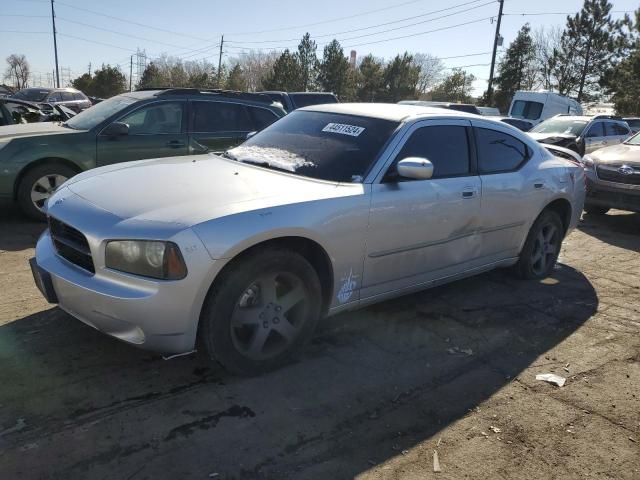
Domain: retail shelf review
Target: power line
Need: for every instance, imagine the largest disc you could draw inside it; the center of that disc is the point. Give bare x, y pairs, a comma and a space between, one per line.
131, 22
557, 13
94, 41
386, 23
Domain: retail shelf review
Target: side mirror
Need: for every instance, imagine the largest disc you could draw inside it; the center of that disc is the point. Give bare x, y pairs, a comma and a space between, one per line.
116, 129
250, 134
416, 168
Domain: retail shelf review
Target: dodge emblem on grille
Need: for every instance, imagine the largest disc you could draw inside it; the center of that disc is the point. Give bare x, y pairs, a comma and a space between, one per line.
626, 170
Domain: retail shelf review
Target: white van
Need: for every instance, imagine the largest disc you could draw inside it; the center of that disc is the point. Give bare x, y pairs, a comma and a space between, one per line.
538, 106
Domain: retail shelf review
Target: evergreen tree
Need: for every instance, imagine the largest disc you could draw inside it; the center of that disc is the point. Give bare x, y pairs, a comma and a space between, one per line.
308, 62
623, 80
151, 77
456, 87
107, 82
236, 80
401, 77
590, 43
83, 83
286, 74
370, 79
333, 72
517, 68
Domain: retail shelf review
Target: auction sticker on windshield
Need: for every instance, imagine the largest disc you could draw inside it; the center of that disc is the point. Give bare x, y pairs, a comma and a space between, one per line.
343, 129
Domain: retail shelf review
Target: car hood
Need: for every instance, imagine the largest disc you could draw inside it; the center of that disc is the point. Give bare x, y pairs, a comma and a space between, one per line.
194, 189
623, 153
33, 129
544, 136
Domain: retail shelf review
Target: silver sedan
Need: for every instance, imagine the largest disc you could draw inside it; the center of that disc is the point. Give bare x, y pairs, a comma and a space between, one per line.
331, 208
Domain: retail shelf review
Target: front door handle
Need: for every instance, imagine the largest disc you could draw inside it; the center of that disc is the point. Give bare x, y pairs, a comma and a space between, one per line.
538, 185
468, 194
175, 144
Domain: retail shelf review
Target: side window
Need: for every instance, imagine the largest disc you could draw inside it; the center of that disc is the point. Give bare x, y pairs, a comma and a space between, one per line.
619, 130
446, 146
165, 117
78, 96
67, 96
209, 117
262, 117
499, 152
595, 130
54, 97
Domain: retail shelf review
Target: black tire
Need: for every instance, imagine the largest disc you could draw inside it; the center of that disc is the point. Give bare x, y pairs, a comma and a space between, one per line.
240, 294
53, 172
595, 209
530, 265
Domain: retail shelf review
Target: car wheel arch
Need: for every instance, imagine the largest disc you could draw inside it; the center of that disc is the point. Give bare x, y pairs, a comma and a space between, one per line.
563, 208
310, 249
37, 163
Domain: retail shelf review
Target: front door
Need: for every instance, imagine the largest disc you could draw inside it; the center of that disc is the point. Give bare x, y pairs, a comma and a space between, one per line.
594, 138
218, 126
155, 130
420, 230
615, 133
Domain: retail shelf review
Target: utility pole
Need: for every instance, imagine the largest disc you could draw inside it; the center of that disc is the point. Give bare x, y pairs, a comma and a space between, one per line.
89, 68
220, 62
131, 75
55, 44
493, 58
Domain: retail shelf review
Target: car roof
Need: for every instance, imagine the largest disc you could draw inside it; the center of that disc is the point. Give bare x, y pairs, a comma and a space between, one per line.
255, 99
385, 111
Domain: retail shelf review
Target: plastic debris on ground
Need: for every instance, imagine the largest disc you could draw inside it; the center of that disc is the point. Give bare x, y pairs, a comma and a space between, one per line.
552, 378
436, 462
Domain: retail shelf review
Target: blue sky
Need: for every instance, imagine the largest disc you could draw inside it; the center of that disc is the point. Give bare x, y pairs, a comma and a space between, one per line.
96, 32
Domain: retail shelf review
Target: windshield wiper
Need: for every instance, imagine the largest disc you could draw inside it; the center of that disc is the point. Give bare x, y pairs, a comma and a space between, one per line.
226, 154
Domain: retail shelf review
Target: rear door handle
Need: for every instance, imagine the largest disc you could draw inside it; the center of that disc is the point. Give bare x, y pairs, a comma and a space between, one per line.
175, 144
538, 185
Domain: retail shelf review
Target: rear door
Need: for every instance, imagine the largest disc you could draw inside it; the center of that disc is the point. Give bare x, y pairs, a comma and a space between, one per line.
513, 191
615, 132
156, 130
218, 126
594, 137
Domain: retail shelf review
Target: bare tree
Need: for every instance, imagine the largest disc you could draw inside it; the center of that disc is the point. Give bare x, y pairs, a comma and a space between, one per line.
18, 70
431, 71
255, 66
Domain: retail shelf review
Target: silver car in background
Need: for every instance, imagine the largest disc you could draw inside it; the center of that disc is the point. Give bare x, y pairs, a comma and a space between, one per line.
331, 208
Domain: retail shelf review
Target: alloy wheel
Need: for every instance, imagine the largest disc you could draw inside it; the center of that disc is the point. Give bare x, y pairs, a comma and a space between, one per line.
545, 248
269, 315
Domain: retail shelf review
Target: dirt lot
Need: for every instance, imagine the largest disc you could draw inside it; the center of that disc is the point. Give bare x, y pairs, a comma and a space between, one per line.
451, 369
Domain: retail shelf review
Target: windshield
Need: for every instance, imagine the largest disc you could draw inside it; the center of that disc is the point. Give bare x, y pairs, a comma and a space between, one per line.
635, 140
32, 94
326, 146
526, 109
95, 115
561, 126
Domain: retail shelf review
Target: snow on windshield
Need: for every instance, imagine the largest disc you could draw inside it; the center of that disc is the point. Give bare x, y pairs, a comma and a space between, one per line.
276, 157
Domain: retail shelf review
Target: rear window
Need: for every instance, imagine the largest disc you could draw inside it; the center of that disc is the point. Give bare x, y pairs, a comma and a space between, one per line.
262, 117
326, 146
499, 152
615, 129
304, 100
526, 109
211, 117
633, 122
78, 96
32, 95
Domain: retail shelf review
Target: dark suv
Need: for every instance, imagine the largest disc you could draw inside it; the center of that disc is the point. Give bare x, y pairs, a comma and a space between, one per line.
36, 158
69, 97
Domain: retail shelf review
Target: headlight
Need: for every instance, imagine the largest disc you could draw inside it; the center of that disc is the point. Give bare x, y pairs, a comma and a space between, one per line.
587, 161
147, 258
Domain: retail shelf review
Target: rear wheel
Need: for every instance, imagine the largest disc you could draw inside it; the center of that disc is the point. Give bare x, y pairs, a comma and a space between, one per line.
595, 209
261, 312
37, 186
542, 247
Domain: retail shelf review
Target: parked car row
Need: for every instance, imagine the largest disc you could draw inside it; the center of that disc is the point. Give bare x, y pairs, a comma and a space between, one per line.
68, 97
244, 252
13, 111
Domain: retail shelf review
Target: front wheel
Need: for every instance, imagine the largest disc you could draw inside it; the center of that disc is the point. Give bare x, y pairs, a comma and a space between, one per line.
542, 247
38, 185
261, 311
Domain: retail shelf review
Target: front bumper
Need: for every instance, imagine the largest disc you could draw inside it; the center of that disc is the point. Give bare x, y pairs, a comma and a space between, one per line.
156, 315
612, 195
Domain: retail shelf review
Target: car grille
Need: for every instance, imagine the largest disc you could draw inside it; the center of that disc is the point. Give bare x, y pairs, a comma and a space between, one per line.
610, 173
71, 244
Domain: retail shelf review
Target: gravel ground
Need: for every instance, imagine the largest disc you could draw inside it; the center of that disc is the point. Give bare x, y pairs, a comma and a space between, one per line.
378, 391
